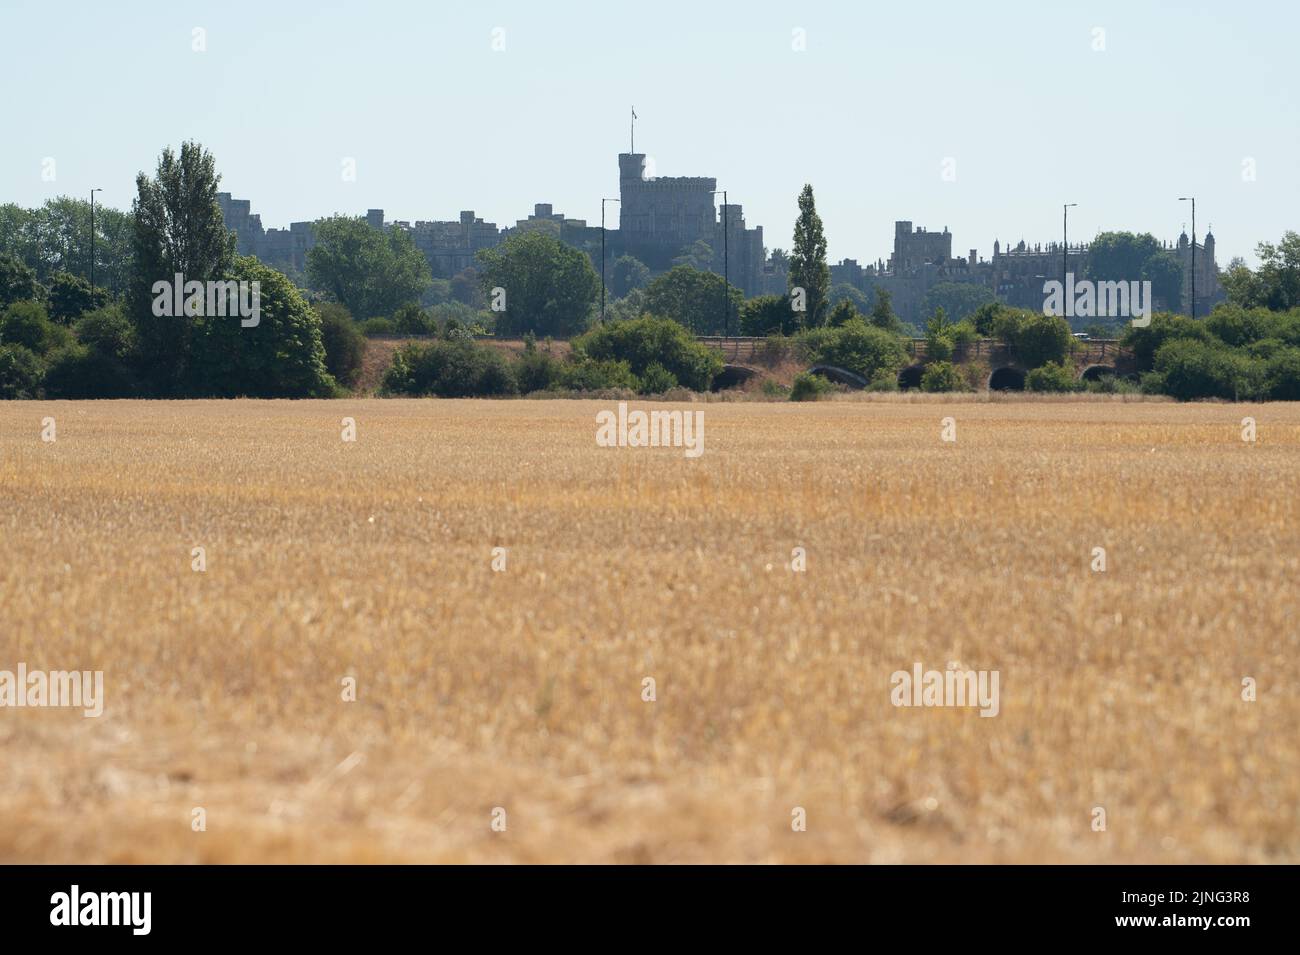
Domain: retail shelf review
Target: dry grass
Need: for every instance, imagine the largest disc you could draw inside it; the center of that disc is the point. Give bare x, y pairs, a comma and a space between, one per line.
522, 689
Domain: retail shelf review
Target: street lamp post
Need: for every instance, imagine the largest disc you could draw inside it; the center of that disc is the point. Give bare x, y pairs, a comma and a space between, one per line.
1192, 200
602, 255
92, 242
1065, 242
726, 268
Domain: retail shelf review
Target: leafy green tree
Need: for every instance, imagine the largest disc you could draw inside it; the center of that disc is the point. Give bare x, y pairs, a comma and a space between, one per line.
108, 331
549, 288
464, 287
766, 315
280, 357
841, 313
56, 238
178, 229
21, 373
1275, 285
629, 273
17, 282
71, 297
647, 341
959, 300
345, 346
1036, 338
882, 312
808, 268
29, 325
1120, 256
370, 271
698, 255
844, 292
1165, 273
701, 301
938, 337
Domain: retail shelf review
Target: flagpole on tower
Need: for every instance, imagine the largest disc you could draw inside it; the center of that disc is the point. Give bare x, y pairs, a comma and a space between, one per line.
633, 129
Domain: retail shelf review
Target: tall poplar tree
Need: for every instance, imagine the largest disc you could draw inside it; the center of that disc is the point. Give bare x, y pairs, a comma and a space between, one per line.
808, 268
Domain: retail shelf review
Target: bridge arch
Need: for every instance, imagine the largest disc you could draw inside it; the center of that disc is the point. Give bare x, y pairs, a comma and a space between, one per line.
910, 377
732, 376
1007, 378
840, 375
1097, 372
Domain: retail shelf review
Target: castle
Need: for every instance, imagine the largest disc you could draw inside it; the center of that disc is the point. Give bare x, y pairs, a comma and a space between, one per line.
664, 218
660, 219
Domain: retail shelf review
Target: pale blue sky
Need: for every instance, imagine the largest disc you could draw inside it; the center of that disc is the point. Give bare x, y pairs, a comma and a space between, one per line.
437, 121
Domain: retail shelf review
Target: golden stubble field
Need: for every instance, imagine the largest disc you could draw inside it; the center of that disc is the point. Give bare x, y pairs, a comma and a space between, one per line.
523, 689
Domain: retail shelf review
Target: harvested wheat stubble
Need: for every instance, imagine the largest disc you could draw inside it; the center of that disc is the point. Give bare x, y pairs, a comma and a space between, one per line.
523, 689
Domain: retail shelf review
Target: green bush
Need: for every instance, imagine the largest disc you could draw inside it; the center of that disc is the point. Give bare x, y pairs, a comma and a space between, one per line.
21, 372
378, 328
857, 346
656, 380
410, 319
1190, 369
76, 371
1035, 338
71, 297
537, 371
29, 325
1282, 375
587, 374
809, 387
345, 346
279, 357
766, 315
1051, 377
942, 376
449, 369
641, 342
108, 331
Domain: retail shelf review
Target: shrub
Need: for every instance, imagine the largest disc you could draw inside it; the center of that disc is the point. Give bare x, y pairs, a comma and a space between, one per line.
942, 376
76, 371
1051, 377
28, 324
1145, 342
1111, 385
1189, 369
809, 387
410, 319
857, 346
591, 375
644, 341
1035, 338
767, 315
377, 328
21, 372
657, 379
345, 346
449, 369
71, 297
107, 331
1282, 375
280, 357
537, 371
